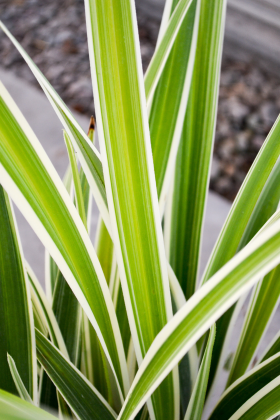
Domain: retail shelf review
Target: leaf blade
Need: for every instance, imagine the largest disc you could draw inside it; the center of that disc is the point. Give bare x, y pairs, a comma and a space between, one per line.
164, 47
128, 172
199, 313
185, 214
18, 381
195, 407
81, 396
261, 308
17, 325
13, 408
58, 225
88, 154
245, 388
170, 101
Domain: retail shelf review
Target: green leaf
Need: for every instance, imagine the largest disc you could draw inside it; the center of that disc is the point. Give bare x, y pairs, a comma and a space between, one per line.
96, 366
263, 215
123, 319
263, 405
13, 408
65, 305
252, 196
16, 319
200, 312
80, 395
36, 188
67, 311
170, 100
22, 391
246, 387
176, 289
97, 369
164, 47
129, 178
195, 407
246, 199
260, 311
185, 213
89, 156
188, 367
90, 159
48, 394
45, 311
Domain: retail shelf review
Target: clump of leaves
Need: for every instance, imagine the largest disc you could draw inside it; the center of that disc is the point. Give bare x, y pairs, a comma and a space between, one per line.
125, 329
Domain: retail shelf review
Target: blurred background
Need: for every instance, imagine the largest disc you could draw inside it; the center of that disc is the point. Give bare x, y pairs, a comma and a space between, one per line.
54, 34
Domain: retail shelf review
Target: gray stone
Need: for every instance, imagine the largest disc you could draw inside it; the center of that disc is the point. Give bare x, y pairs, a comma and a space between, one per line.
55, 72
242, 140
269, 113
254, 122
215, 168
226, 148
236, 109
62, 36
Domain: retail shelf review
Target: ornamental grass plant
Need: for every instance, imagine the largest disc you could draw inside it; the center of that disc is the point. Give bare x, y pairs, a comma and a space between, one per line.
126, 329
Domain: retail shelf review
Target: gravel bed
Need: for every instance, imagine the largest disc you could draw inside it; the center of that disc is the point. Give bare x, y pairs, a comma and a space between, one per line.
54, 34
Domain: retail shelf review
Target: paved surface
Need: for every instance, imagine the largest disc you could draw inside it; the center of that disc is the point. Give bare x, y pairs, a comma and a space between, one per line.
46, 125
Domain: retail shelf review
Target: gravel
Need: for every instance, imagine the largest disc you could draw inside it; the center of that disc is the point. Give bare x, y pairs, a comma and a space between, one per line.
54, 35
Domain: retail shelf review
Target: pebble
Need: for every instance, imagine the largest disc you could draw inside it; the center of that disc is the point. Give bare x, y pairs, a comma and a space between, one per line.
242, 140
54, 35
215, 168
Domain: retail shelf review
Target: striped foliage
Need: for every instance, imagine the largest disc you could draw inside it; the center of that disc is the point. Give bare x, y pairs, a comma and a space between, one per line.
125, 329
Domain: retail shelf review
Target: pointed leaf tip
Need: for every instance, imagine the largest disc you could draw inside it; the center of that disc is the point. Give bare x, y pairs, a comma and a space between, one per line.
91, 127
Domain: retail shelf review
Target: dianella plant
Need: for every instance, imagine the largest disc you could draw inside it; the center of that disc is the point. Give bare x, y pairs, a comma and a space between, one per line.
125, 329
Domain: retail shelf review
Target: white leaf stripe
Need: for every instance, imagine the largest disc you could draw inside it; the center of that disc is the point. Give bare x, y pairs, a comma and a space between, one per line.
18, 381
